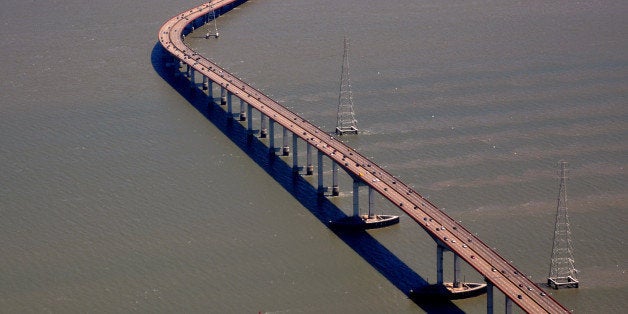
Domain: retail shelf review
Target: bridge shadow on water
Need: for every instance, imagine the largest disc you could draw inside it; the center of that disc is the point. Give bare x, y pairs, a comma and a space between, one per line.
377, 255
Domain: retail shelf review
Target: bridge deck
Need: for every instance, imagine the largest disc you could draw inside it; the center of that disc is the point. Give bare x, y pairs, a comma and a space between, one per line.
476, 253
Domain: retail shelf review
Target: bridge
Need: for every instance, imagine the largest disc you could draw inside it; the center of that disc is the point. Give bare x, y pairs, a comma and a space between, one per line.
446, 232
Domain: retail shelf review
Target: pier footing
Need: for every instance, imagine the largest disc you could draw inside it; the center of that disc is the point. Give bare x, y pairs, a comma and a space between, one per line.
447, 291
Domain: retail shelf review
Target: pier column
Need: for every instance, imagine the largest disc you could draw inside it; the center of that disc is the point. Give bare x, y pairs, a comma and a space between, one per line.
371, 201
271, 142
263, 132
335, 191
456, 283
295, 153
187, 70
242, 110
319, 156
223, 96
192, 80
177, 70
356, 197
229, 104
205, 82
249, 113
489, 297
286, 148
309, 168
439, 264
210, 90
508, 306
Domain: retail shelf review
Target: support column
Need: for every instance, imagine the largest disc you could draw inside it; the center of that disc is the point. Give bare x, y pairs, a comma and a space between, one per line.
223, 96
456, 282
508, 306
177, 70
263, 131
229, 104
489, 297
242, 110
249, 113
205, 82
439, 264
271, 142
319, 156
286, 148
187, 70
192, 80
356, 198
335, 191
309, 170
210, 91
295, 153
371, 201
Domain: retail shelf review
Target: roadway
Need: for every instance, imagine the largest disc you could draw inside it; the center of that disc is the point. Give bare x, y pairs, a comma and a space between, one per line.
514, 284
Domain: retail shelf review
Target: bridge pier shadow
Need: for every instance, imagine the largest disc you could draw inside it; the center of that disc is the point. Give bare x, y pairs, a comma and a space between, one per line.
376, 254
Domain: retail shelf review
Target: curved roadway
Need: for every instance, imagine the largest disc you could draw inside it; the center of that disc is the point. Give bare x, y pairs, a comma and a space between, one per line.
439, 225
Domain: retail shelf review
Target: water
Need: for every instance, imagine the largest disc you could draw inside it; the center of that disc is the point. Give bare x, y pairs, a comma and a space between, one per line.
117, 195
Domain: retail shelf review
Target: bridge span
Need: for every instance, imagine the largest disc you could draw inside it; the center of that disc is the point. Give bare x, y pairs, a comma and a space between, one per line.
448, 234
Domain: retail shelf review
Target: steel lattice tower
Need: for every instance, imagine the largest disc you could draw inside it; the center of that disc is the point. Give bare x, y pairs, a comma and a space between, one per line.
346, 117
562, 269
209, 34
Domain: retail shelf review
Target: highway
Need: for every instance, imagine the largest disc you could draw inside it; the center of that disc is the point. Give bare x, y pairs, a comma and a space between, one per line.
504, 276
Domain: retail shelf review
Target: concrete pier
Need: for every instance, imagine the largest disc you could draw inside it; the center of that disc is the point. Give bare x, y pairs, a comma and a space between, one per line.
309, 170
489, 297
271, 135
223, 96
295, 153
371, 201
285, 147
456, 282
263, 132
439, 265
242, 110
229, 104
249, 124
356, 198
335, 190
319, 157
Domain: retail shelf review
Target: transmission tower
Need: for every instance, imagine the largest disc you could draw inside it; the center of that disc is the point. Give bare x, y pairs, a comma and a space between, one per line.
562, 270
209, 34
346, 117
